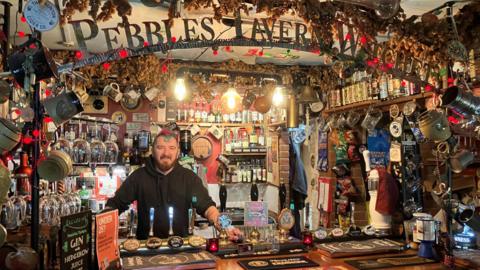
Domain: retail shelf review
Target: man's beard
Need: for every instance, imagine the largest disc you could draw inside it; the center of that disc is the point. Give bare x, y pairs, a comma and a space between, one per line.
166, 164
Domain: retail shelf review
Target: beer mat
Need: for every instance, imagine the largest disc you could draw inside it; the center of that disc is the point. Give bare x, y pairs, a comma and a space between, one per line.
261, 253
182, 260
467, 257
352, 248
277, 263
387, 262
162, 250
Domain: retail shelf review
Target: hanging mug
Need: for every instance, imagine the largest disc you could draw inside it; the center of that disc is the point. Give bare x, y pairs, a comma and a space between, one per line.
352, 118
434, 125
461, 160
112, 90
371, 119
63, 107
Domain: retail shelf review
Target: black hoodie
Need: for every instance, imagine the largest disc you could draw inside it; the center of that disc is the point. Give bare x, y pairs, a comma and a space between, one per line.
150, 188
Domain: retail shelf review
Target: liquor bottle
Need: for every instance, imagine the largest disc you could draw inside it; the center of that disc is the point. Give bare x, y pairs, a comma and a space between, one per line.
232, 118
238, 117
23, 173
255, 117
261, 138
245, 141
179, 112
260, 118
228, 141
84, 196
391, 88
383, 85
204, 112
211, 115
218, 116
198, 113
185, 112
191, 113
253, 138
264, 172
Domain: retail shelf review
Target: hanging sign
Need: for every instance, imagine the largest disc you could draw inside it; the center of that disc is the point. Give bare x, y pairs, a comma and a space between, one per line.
106, 244
75, 241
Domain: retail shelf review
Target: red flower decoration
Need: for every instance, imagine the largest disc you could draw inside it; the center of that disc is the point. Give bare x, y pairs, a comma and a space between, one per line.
21, 33
363, 40
78, 55
35, 133
106, 66
173, 39
164, 68
123, 53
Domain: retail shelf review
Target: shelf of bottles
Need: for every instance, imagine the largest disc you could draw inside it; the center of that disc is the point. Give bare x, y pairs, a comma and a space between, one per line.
202, 112
242, 170
363, 88
241, 141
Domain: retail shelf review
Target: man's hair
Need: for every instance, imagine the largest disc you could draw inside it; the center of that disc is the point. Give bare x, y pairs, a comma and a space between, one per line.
166, 134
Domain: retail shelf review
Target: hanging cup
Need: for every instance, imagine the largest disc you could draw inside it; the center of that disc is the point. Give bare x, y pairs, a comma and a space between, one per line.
63, 107
371, 119
461, 160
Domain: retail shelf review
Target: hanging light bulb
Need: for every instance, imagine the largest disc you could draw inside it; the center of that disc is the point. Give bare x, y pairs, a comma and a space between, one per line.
278, 97
180, 90
231, 99
384, 9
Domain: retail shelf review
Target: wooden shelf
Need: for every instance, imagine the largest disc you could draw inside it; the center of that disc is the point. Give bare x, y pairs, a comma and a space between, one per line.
182, 124
378, 103
277, 124
246, 154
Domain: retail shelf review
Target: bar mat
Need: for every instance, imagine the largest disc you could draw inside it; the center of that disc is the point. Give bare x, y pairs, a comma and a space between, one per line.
183, 260
262, 253
277, 263
357, 248
386, 262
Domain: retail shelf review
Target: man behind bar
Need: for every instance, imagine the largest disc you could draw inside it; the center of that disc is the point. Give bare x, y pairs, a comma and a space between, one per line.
163, 183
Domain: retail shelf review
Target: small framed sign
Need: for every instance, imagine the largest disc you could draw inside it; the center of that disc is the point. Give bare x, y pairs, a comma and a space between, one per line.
140, 117
75, 240
256, 214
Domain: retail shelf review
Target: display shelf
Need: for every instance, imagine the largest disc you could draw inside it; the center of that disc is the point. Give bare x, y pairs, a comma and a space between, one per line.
246, 154
378, 103
183, 124
277, 124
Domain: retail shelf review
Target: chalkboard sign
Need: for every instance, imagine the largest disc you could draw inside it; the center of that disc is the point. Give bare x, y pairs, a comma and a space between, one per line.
75, 240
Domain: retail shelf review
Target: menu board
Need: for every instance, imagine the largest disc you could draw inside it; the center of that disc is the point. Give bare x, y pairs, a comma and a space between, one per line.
75, 240
256, 214
106, 244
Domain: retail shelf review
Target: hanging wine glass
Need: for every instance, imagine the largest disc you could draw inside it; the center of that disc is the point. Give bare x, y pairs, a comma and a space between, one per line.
81, 148
62, 143
111, 148
97, 147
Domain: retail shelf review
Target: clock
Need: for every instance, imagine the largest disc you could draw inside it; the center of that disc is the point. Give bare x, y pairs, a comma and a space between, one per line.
41, 17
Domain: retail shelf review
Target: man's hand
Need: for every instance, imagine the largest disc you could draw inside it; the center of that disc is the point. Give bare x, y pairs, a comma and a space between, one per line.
234, 234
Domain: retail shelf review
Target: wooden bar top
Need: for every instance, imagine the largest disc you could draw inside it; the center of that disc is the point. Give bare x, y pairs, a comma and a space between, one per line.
334, 264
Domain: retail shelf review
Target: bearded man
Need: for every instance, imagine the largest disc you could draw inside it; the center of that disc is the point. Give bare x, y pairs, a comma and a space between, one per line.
163, 183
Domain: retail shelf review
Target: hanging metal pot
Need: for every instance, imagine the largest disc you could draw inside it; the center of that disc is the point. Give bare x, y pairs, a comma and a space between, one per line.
434, 125
63, 107
461, 102
262, 104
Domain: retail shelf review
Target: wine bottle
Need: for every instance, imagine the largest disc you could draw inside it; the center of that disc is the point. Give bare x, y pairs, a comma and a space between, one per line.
223, 197
254, 189
23, 174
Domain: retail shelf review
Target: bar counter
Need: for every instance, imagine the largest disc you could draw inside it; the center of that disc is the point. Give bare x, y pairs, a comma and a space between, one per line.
326, 262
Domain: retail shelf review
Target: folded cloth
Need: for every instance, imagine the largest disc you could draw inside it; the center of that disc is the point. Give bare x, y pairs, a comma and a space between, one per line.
387, 193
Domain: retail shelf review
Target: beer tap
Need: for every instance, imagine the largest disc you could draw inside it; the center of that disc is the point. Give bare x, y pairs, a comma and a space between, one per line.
152, 241
282, 193
191, 216
170, 220
254, 189
173, 241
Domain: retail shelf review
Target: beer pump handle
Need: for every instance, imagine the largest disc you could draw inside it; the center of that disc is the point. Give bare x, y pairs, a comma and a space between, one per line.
170, 219
282, 193
366, 157
152, 217
223, 197
254, 192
